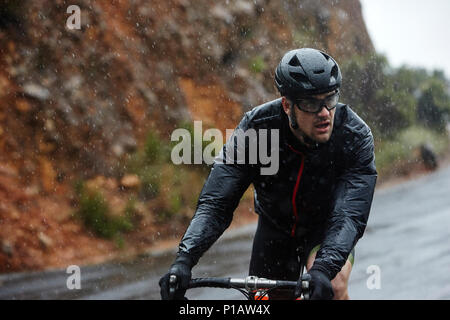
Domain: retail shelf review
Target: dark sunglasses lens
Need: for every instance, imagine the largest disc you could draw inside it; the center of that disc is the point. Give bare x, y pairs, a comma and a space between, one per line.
308, 105
314, 105
332, 101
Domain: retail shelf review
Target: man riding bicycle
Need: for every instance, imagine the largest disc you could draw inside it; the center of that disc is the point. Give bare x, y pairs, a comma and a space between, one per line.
316, 206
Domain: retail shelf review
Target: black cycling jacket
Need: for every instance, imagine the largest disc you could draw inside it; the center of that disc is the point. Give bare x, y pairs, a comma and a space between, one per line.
327, 189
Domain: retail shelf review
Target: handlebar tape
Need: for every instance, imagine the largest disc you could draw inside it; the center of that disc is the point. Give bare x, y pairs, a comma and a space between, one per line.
210, 282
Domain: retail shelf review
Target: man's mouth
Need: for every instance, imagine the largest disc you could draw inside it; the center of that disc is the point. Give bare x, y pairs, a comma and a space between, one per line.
322, 127
322, 124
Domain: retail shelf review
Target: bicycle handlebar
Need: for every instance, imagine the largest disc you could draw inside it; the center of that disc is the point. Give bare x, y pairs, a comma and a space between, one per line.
250, 283
224, 283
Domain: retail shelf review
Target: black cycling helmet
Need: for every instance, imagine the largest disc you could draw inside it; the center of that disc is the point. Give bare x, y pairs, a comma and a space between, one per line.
305, 72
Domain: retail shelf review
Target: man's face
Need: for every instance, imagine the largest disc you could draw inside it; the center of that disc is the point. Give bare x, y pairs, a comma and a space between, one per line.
316, 126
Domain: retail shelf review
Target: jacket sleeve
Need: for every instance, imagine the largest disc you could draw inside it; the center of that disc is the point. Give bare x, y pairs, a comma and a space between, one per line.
348, 219
218, 199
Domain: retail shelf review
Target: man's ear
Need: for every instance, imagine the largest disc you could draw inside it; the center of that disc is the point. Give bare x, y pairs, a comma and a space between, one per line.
286, 105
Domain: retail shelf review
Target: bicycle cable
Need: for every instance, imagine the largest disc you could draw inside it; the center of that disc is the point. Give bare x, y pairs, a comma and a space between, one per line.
245, 293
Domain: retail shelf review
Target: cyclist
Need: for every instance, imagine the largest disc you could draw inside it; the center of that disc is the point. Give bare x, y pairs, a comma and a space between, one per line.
316, 206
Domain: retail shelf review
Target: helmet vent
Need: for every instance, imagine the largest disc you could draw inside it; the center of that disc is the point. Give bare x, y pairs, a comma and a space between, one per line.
294, 62
334, 71
326, 56
299, 77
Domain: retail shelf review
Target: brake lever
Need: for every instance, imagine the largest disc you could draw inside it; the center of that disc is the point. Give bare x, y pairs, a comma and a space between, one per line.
306, 279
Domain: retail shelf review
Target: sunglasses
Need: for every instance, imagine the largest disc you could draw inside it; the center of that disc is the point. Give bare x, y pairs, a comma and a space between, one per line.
312, 105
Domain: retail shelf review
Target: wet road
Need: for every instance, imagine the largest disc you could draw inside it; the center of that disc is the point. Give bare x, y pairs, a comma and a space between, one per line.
404, 254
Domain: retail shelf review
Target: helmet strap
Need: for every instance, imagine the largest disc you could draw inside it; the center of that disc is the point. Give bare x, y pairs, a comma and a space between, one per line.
293, 121
292, 118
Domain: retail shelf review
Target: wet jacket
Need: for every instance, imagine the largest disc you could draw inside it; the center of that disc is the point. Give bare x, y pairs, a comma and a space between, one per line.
326, 189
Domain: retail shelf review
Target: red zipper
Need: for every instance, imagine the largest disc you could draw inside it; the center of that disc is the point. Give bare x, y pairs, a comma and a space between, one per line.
294, 195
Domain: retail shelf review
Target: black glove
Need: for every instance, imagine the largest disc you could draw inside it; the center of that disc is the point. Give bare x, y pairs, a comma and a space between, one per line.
181, 269
320, 285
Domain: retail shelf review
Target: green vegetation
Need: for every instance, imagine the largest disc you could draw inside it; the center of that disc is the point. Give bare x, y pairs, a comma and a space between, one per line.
130, 212
95, 213
154, 149
404, 107
393, 99
147, 163
257, 64
171, 189
433, 106
404, 147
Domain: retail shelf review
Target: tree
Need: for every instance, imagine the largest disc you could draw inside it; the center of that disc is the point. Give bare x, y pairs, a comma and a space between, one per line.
433, 107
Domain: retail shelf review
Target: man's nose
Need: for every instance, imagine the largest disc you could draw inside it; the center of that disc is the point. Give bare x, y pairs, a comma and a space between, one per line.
324, 112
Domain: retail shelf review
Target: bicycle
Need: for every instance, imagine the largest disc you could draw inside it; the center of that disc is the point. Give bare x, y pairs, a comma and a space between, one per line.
252, 287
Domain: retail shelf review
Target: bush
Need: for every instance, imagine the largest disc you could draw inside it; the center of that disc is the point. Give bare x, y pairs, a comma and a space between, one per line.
257, 64
178, 196
150, 177
146, 163
155, 150
171, 201
402, 148
94, 211
433, 108
171, 189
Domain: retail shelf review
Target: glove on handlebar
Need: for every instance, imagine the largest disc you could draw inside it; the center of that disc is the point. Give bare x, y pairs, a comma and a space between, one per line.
181, 268
321, 288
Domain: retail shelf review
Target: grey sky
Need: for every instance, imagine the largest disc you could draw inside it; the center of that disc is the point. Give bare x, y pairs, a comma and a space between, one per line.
412, 32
